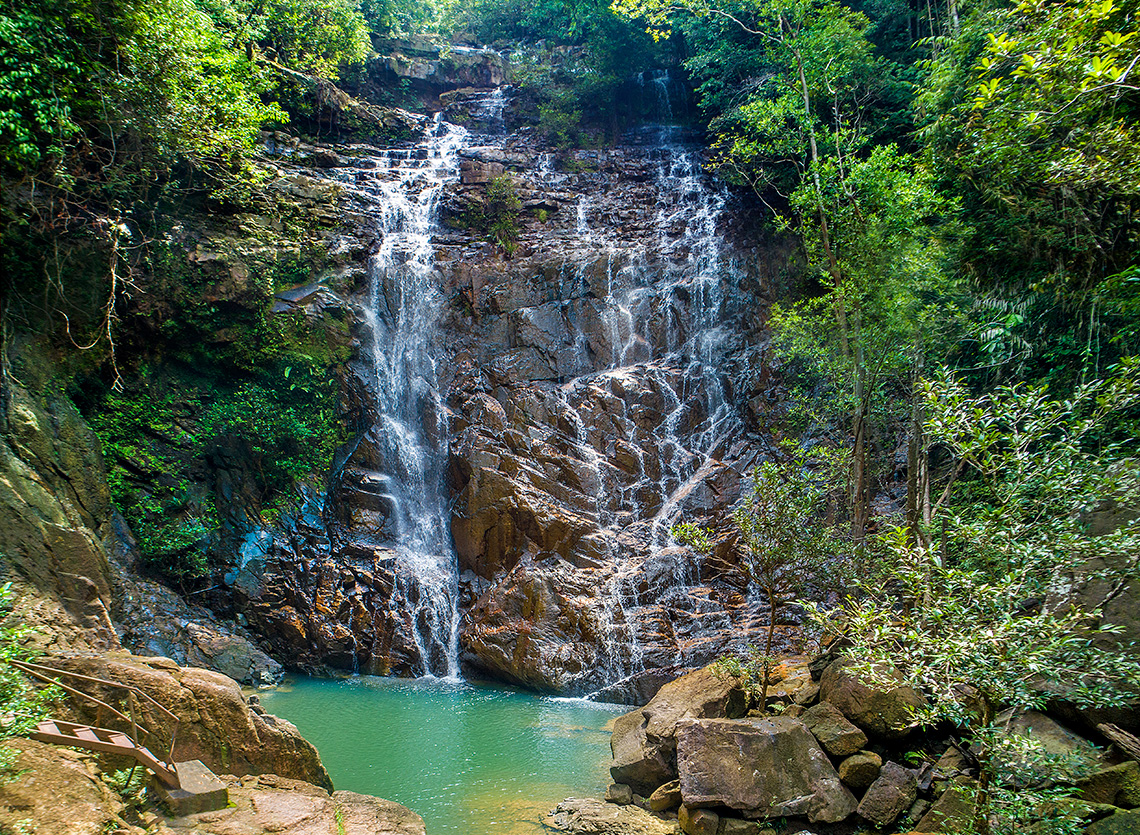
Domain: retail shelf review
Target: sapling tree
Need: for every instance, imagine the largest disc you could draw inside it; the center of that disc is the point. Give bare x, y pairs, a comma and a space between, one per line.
784, 545
982, 622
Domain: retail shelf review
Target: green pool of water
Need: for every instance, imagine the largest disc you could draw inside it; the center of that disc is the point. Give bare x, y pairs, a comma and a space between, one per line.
471, 759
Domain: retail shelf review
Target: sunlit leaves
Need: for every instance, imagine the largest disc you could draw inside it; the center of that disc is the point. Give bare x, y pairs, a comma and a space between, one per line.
985, 620
186, 91
39, 73
1034, 117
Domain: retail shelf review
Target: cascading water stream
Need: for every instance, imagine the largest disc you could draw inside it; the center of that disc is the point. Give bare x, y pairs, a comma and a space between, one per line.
411, 431
682, 293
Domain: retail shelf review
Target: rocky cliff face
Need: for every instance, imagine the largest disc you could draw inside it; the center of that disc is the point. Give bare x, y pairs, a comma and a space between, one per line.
558, 354
68, 554
605, 380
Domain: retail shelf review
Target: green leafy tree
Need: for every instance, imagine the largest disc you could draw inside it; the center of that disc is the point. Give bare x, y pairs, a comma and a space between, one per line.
184, 93
885, 303
784, 546
978, 623
22, 705
1029, 115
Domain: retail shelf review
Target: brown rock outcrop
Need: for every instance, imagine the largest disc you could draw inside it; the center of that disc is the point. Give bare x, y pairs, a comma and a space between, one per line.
838, 737
762, 768
890, 795
216, 725
883, 712
57, 791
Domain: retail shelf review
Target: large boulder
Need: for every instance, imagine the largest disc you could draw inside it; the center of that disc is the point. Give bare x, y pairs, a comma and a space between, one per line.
644, 741
1118, 785
1122, 823
639, 763
838, 737
860, 770
762, 768
589, 816
215, 724
952, 811
890, 795
883, 712
702, 694
1053, 737
153, 620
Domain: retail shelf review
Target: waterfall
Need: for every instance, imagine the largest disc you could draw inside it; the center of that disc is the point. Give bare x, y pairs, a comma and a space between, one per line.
675, 301
411, 429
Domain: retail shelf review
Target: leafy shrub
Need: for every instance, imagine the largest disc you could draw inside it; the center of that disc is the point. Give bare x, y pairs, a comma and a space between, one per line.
501, 213
21, 704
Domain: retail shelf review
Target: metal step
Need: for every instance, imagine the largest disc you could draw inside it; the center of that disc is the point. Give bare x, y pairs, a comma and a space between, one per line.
105, 742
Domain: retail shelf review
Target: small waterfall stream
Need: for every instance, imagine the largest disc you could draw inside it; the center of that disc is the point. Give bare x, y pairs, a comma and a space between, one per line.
635, 417
667, 315
402, 319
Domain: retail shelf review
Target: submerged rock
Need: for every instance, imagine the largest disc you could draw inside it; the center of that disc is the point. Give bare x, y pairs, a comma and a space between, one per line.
589, 816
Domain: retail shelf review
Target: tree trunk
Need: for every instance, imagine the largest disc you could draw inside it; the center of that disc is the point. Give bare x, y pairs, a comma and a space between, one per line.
981, 817
860, 505
918, 509
768, 650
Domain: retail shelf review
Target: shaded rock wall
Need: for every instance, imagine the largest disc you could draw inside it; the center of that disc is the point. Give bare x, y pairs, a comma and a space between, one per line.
54, 507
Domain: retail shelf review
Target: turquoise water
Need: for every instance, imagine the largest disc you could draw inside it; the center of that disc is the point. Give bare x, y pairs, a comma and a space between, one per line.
471, 759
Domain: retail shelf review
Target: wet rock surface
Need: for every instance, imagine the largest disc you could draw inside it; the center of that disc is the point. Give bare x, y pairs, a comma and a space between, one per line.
602, 383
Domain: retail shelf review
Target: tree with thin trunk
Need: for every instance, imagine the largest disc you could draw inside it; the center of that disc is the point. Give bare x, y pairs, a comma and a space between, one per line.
994, 617
783, 545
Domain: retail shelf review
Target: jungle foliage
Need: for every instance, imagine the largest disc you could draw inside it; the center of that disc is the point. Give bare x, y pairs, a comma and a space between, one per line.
963, 182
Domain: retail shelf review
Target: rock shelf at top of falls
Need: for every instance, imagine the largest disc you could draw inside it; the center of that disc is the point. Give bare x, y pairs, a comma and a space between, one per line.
551, 415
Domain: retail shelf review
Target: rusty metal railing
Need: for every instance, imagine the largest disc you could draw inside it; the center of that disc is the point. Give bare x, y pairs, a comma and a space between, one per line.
45, 674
